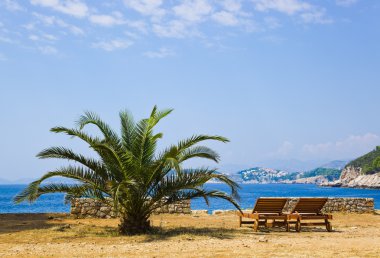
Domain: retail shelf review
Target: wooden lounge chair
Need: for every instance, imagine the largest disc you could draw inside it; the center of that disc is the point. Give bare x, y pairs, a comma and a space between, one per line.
266, 209
310, 209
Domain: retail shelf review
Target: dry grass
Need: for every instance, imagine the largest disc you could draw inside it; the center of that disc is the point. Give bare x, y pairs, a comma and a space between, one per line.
183, 236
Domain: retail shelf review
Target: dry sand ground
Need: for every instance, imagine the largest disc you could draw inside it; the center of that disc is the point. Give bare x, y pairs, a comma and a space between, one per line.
184, 236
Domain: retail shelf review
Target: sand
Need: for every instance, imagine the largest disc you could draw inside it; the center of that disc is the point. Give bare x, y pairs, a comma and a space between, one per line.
58, 235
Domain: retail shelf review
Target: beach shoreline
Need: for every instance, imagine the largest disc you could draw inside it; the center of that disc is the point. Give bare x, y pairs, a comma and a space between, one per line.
201, 235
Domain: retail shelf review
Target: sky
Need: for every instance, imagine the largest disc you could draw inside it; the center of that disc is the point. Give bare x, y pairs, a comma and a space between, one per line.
287, 81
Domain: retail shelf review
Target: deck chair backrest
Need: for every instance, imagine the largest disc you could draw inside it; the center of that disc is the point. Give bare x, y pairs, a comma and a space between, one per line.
269, 205
310, 205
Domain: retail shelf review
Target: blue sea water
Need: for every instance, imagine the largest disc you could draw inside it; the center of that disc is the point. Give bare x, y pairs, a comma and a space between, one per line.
248, 192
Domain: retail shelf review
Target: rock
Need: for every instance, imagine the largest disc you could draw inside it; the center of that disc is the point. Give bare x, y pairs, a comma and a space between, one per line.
199, 212
352, 177
217, 212
311, 180
61, 228
263, 240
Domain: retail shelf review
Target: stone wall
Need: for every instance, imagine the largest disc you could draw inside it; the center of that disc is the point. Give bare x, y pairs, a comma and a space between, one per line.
334, 204
91, 208
87, 207
352, 205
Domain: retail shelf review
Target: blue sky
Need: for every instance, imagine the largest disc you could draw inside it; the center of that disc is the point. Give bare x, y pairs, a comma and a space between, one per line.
283, 79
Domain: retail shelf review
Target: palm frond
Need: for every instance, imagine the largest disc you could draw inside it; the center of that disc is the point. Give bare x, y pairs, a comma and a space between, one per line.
198, 152
195, 139
35, 190
92, 118
127, 129
65, 153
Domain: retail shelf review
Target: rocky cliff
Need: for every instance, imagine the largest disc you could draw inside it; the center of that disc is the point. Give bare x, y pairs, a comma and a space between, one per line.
354, 178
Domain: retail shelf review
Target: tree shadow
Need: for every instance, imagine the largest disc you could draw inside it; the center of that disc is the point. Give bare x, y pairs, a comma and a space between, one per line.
16, 222
161, 234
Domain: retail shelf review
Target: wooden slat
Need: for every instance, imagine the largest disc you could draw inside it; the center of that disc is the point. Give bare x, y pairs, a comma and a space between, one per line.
310, 205
274, 205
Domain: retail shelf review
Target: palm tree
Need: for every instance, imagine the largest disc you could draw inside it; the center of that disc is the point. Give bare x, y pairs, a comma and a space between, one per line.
129, 170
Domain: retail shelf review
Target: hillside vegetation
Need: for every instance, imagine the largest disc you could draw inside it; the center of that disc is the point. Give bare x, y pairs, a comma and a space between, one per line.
370, 162
330, 173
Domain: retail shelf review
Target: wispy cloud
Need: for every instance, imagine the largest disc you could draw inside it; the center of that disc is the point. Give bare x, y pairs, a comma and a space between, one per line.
54, 21
205, 20
346, 3
307, 12
193, 10
75, 8
352, 146
225, 18
12, 5
161, 53
107, 20
112, 45
48, 50
147, 7
289, 7
43, 37
172, 29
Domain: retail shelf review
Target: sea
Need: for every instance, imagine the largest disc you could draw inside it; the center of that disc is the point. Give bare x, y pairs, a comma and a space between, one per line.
54, 203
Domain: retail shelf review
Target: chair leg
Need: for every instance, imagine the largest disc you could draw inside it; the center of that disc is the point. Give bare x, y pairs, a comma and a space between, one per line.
240, 219
328, 225
298, 225
256, 225
287, 226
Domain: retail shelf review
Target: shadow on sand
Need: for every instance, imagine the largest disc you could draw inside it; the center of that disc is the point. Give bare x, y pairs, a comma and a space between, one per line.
16, 222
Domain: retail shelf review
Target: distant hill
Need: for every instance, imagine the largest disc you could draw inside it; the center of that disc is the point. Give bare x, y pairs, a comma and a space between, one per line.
370, 162
329, 171
337, 164
331, 174
262, 175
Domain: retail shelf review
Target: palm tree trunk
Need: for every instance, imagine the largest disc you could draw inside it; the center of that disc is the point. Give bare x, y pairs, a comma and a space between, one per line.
132, 225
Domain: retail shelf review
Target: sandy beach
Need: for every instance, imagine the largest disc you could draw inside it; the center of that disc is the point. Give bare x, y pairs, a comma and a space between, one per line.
58, 235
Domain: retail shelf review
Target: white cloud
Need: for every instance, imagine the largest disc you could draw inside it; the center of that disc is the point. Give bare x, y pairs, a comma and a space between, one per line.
225, 18
174, 29
75, 8
346, 3
34, 37
289, 7
29, 26
48, 50
12, 5
192, 10
141, 26
316, 16
113, 44
232, 5
308, 13
161, 53
106, 20
147, 7
350, 147
51, 21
